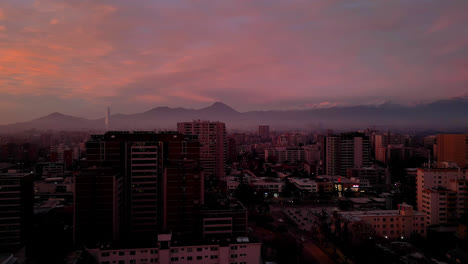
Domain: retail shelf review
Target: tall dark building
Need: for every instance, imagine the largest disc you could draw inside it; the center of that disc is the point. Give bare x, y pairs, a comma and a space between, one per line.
345, 151
232, 150
98, 206
355, 152
213, 148
264, 131
182, 186
161, 179
16, 210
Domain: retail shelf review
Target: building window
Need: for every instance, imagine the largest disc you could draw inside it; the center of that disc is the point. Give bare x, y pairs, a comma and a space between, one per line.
132, 253
199, 257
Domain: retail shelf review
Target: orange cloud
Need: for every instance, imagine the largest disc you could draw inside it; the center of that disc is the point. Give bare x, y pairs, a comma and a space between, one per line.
241, 52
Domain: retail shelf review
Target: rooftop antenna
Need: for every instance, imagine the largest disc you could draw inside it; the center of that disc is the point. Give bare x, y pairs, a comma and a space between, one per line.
107, 120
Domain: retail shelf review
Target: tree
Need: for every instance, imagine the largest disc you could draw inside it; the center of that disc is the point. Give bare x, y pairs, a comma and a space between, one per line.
289, 189
246, 194
286, 248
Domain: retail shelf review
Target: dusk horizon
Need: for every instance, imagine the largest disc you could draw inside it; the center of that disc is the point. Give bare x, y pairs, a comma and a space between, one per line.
325, 105
233, 132
83, 56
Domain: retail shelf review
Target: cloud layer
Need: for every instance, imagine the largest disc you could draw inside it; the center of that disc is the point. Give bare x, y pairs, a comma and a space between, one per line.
79, 56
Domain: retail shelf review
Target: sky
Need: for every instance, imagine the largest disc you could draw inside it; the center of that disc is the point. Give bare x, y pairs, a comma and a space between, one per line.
79, 56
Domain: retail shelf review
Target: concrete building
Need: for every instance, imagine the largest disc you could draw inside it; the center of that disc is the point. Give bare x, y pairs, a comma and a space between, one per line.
162, 183
381, 143
264, 131
290, 139
452, 148
391, 224
16, 210
267, 185
441, 195
348, 150
282, 154
354, 151
98, 206
225, 220
53, 169
239, 250
375, 176
312, 154
332, 155
305, 185
326, 183
213, 144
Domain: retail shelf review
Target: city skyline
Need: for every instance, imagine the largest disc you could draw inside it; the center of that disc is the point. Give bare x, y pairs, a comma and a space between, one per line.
241, 132
81, 56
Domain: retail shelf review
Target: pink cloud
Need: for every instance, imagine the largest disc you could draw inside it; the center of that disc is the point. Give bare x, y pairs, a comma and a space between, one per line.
191, 96
242, 52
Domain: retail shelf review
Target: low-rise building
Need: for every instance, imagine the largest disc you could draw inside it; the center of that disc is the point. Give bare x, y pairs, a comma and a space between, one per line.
281, 154
391, 224
262, 184
238, 250
442, 194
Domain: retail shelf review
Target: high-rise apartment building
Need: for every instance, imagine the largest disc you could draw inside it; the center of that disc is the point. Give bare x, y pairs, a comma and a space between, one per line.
264, 131
213, 144
162, 182
382, 142
332, 155
441, 195
281, 154
16, 210
98, 206
354, 152
452, 148
345, 151
312, 153
391, 224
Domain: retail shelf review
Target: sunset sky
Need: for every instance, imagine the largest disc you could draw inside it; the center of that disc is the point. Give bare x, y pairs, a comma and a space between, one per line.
79, 56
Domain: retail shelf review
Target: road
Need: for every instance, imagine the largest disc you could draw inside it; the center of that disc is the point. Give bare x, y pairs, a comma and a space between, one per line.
311, 252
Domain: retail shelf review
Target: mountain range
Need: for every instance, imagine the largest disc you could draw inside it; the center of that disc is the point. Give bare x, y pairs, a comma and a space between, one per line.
447, 114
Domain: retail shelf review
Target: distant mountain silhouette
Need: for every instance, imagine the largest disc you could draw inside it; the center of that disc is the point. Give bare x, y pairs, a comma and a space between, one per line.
448, 114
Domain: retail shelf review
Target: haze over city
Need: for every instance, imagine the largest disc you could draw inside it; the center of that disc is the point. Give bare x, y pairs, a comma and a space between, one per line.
76, 57
233, 132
